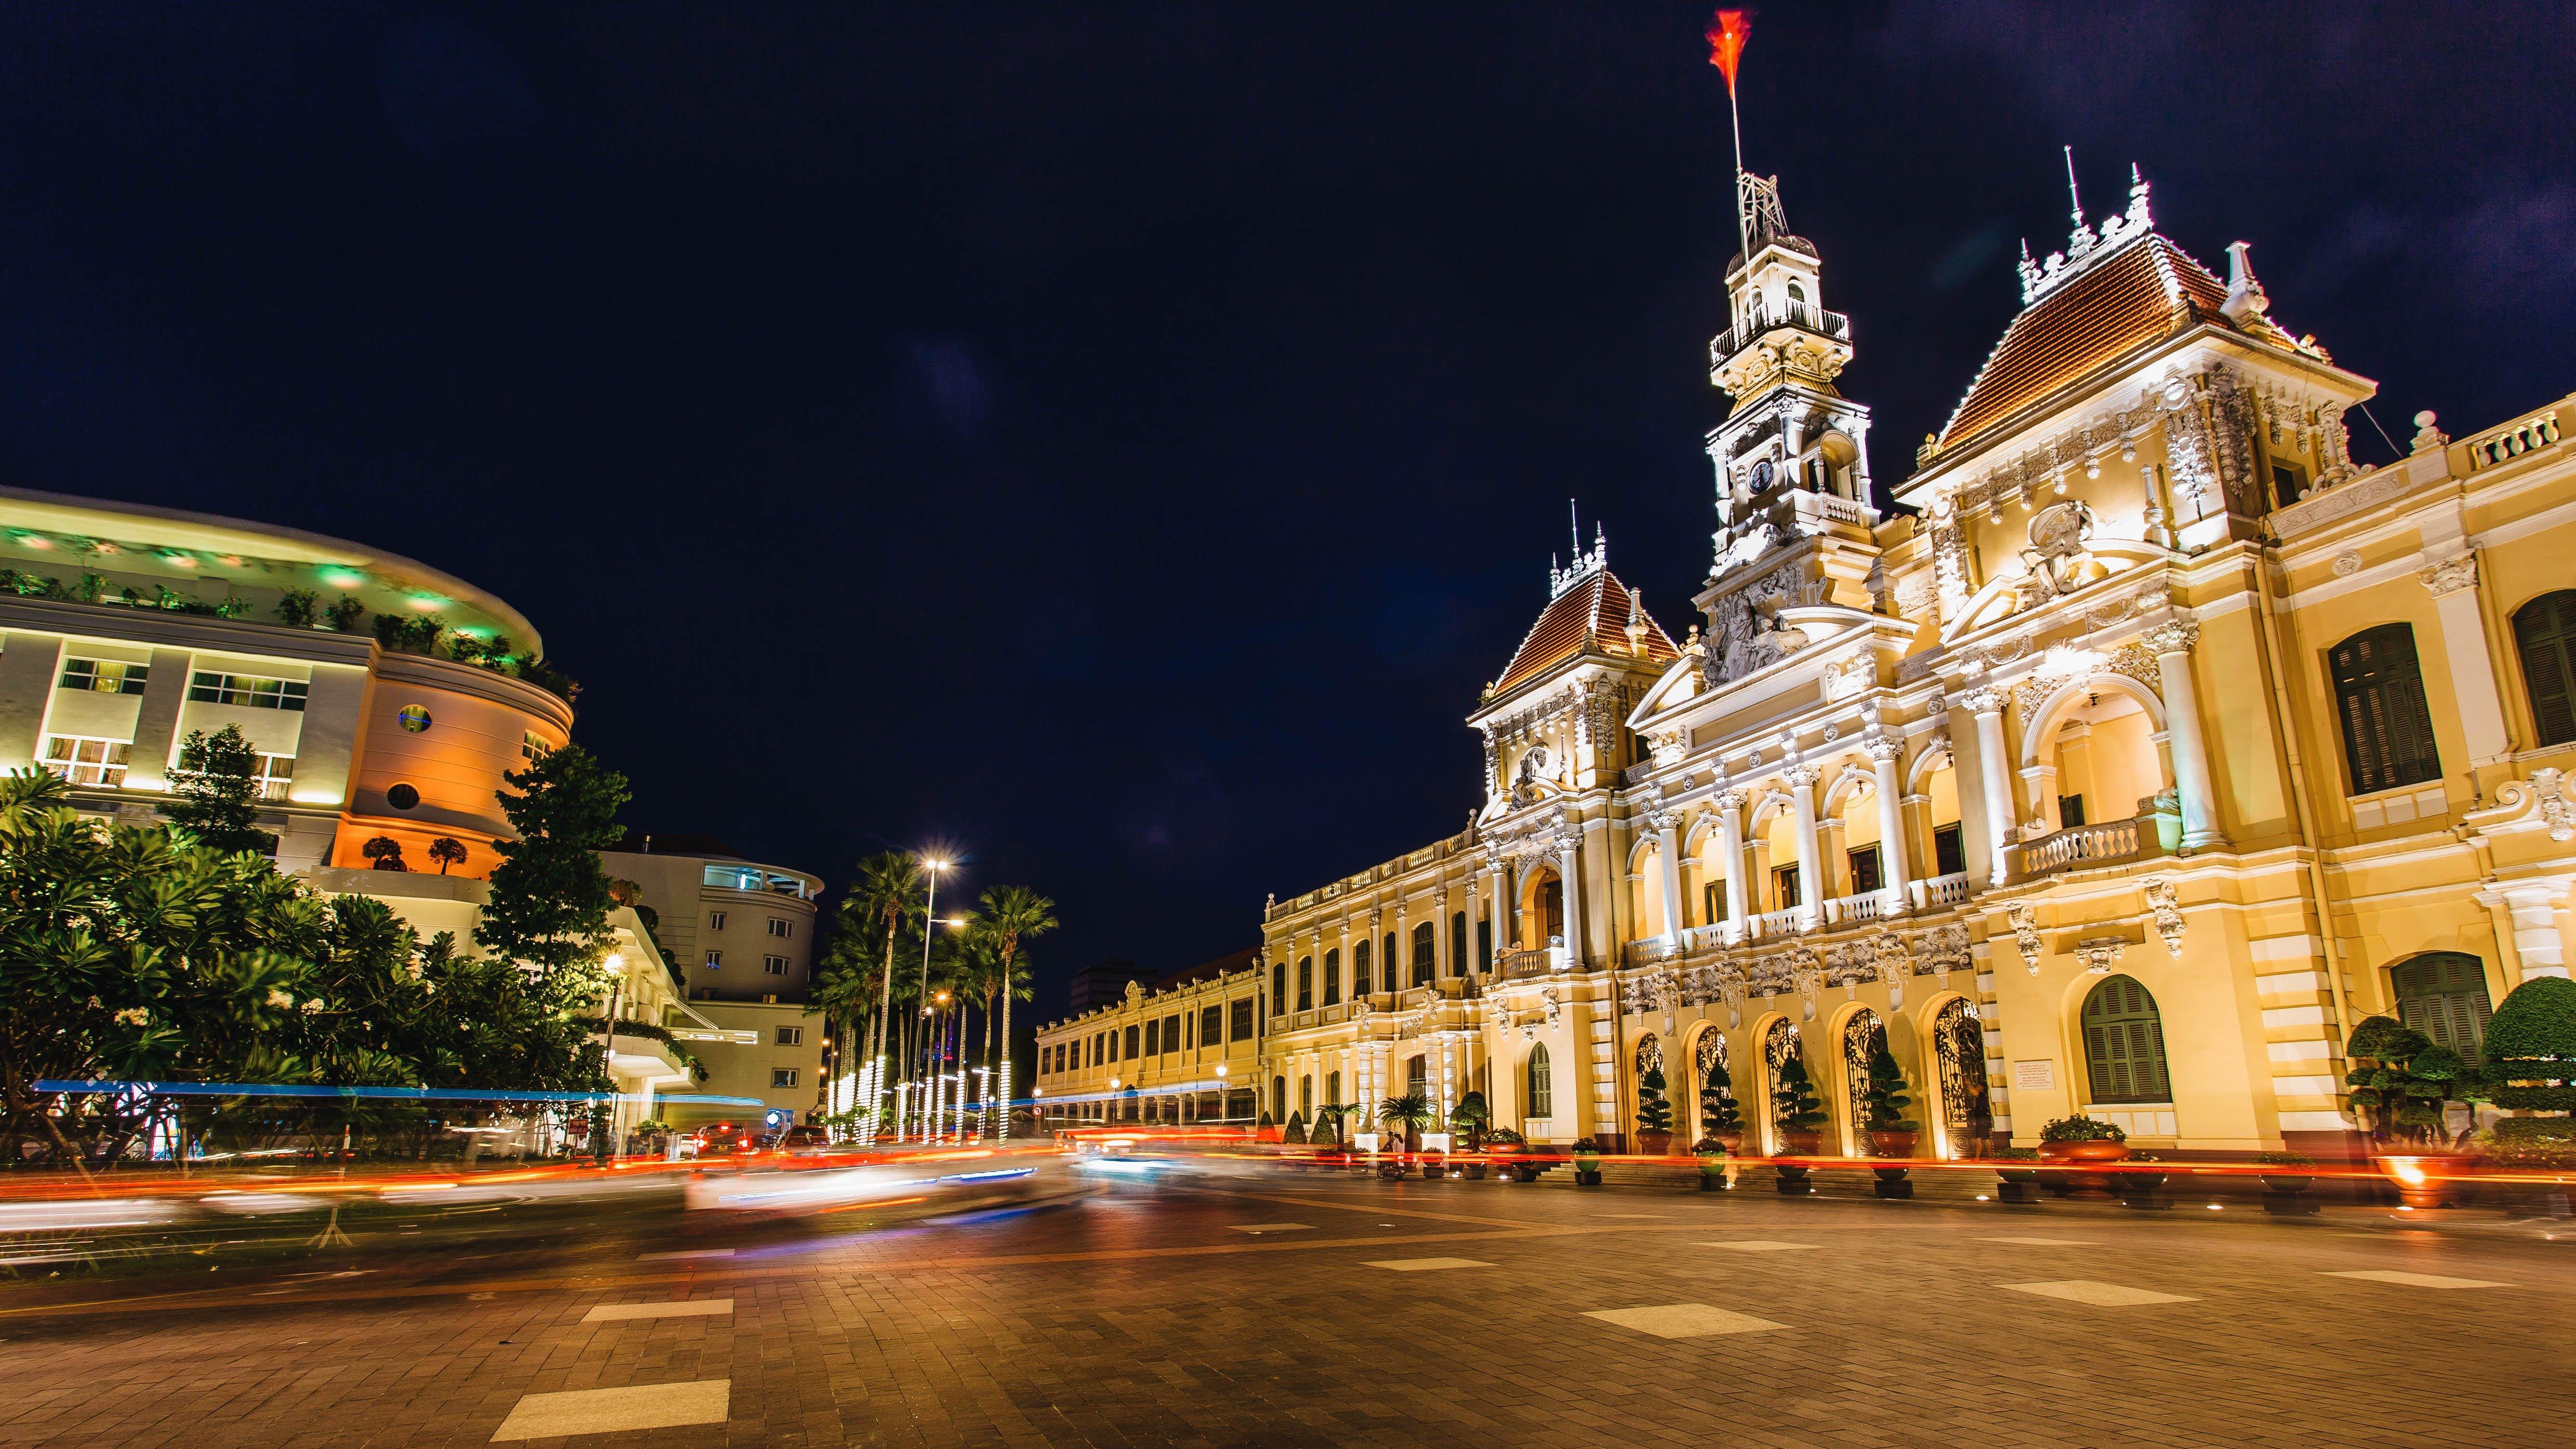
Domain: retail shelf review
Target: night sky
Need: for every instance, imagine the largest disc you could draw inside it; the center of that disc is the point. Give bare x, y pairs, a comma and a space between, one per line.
1121, 444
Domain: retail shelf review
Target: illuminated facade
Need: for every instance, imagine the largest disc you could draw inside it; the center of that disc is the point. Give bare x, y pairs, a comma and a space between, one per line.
2147, 746
127, 627
1185, 1052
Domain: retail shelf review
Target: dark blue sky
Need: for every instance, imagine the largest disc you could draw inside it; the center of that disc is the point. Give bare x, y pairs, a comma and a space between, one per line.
1122, 441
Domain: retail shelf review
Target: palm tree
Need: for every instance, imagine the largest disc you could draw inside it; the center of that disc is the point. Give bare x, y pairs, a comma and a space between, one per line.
1408, 1114
1012, 914
846, 983
883, 895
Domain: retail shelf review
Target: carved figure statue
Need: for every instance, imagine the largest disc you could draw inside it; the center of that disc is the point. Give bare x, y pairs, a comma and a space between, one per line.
2057, 552
1534, 779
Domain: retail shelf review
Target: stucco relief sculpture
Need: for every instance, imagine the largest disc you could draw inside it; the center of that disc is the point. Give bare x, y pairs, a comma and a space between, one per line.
2057, 554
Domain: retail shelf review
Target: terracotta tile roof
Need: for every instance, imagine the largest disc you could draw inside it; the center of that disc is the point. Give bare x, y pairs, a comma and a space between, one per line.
1589, 618
2143, 293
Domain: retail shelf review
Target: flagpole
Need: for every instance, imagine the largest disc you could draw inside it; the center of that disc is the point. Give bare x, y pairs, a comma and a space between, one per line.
1735, 123
1726, 36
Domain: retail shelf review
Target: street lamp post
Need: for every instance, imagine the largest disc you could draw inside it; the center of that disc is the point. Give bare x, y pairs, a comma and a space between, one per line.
931, 867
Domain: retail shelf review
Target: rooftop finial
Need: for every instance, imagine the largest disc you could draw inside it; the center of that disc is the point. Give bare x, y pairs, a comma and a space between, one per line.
1574, 530
2073, 197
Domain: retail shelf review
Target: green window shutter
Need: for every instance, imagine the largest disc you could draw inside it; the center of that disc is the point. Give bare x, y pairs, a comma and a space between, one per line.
2387, 728
2124, 1043
2544, 633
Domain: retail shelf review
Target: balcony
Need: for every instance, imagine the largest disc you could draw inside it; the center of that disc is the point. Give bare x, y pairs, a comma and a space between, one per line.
1941, 891
1797, 314
1519, 965
1855, 909
2077, 847
1780, 923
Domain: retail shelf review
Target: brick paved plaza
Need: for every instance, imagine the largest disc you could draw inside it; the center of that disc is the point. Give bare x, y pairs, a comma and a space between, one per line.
1287, 1309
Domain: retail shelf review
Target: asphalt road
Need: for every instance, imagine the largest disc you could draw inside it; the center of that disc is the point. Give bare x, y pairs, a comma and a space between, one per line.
1277, 1308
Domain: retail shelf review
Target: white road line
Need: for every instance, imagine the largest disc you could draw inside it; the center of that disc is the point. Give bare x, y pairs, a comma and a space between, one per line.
604, 1411
2044, 1242
690, 1253
1759, 1245
1683, 1320
1425, 1265
2417, 1280
1272, 1227
685, 1308
2098, 1295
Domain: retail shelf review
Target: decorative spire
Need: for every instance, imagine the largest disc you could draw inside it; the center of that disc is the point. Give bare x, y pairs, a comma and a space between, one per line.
2245, 296
2085, 245
1585, 564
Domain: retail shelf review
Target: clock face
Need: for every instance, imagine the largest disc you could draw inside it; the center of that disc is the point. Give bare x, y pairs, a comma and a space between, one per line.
1762, 475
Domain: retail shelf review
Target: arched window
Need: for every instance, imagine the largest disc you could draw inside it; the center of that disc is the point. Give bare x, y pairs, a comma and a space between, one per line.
1131, 1043
2444, 995
1306, 1097
2544, 632
1278, 988
1387, 962
1360, 969
1422, 946
1305, 983
1278, 1099
1542, 1085
1417, 1076
1333, 977
1333, 1088
1797, 295
2124, 1043
2379, 701
1458, 944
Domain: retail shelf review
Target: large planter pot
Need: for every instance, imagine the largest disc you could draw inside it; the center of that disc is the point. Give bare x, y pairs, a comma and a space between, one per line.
2089, 1154
1654, 1144
1893, 1142
1734, 1142
2138, 1188
1801, 1144
2284, 1182
2421, 1177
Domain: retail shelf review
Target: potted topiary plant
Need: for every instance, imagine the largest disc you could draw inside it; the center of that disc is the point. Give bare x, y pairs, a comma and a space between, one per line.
2285, 1183
2531, 1047
2403, 1105
1719, 1116
2080, 1141
1503, 1147
2135, 1185
1712, 1164
1587, 1162
1891, 1132
1654, 1114
1800, 1116
1467, 1123
1294, 1134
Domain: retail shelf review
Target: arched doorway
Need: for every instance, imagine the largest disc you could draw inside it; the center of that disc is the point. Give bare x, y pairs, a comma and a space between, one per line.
2443, 994
1650, 1058
1710, 1081
1779, 1048
1863, 1035
1543, 908
1539, 1097
1959, 1051
2124, 1043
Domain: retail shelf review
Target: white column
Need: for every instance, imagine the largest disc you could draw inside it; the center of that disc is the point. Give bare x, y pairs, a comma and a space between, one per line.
1497, 909
2531, 907
2454, 586
1811, 881
1883, 751
1730, 843
1994, 771
2172, 644
1441, 966
1668, 872
1569, 869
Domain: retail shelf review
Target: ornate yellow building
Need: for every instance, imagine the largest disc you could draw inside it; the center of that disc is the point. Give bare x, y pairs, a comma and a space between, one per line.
2146, 747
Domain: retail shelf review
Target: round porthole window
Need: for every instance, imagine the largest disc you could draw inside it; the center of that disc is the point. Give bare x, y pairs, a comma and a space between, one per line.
414, 718
402, 797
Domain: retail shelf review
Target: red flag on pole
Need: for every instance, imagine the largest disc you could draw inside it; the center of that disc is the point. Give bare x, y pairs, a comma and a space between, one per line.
1726, 37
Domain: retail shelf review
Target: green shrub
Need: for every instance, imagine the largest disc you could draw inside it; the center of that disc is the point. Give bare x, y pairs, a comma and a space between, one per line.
1654, 1113
1296, 1129
2531, 1046
2529, 1130
2285, 1159
1794, 1103
2081, 1129
2016, 1154
1717, 1109
1504, 1137
1886, 1097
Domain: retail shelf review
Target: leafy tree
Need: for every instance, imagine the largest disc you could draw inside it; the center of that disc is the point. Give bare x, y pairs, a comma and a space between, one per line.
1885, 1100
1795, 1107
1654, 1110
217, 783
295, 608
1406, 1116
549, 898
888, 885
447, 850
346, 614
1011, 915
1468, 1118
385, 851
1717, 1109
2403, 1102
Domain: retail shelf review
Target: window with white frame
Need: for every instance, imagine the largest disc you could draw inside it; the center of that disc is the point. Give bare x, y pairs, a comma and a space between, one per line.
85, 761
715, 960
782, 1076
781, 928
207, 686
774, 965
715, 920
105, 676
532, 749
276, 773
791, 1036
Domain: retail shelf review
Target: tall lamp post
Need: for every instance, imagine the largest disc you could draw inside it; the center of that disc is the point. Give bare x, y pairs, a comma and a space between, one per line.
931, 866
